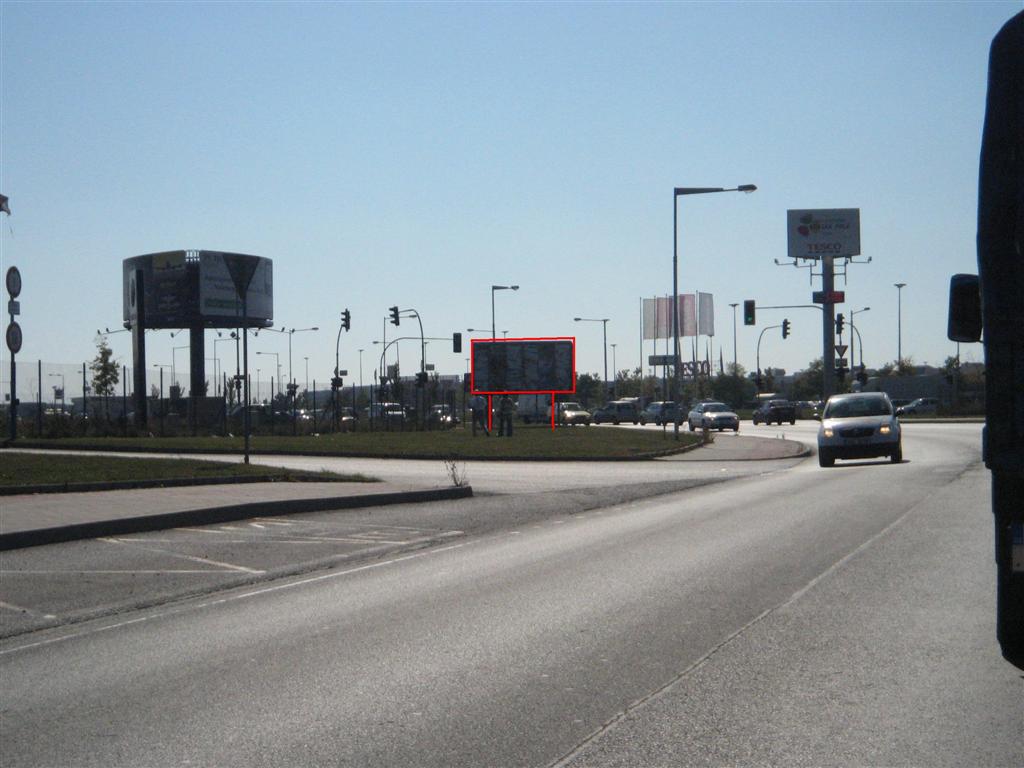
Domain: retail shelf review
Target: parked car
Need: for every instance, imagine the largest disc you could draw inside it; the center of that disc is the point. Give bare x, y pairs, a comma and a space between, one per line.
919, 407
571, 414
661, 412
616, 412
862, 425
441, 417
775, 411
713, 415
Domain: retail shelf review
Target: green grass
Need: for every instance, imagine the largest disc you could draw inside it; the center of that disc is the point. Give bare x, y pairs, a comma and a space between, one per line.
41, 469
526, 442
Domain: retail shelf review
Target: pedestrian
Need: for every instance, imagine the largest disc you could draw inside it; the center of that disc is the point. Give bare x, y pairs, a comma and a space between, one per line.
506, 410
479, 407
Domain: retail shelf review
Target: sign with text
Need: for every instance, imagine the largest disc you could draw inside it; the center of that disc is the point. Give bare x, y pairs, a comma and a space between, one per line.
814, 234
523, 366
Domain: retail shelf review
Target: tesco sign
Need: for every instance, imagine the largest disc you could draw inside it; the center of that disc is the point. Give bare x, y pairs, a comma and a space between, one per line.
820, 232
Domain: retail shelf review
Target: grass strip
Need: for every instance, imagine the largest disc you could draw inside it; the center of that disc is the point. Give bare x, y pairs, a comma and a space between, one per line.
31, 469
530, 442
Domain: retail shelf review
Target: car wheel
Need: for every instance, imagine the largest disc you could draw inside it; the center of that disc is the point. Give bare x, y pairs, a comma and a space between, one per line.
897, 455
825, 459
692, 428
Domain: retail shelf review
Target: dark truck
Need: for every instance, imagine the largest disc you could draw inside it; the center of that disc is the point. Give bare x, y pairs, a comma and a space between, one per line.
994, 300
777, 411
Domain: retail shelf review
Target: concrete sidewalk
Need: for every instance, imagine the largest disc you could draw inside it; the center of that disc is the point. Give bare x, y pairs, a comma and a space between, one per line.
33, 519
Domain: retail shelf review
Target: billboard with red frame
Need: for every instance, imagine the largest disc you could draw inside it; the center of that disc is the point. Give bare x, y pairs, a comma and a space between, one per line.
523, 366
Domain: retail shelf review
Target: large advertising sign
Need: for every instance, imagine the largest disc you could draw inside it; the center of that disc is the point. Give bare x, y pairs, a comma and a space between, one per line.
816, 233
218, 297
523, 366
181, 288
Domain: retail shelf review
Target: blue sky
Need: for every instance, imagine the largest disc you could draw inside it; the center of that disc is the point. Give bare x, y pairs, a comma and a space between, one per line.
416, 154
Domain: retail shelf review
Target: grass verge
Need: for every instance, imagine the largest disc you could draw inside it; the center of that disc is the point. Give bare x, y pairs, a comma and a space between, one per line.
32, 469
530, 442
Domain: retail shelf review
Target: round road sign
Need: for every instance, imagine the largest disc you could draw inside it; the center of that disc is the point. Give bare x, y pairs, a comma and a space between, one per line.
13, 282
14, 338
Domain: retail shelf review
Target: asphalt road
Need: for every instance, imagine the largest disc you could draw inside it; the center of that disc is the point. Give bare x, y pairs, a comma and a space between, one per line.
795, 617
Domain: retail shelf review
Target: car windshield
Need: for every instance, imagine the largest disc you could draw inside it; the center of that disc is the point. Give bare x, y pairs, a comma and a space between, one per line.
715, 408
572, 407
858, 406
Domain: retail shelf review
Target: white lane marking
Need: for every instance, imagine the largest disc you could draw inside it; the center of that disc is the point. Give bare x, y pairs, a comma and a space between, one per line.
29, 611
290, 585
257, 525
204, 560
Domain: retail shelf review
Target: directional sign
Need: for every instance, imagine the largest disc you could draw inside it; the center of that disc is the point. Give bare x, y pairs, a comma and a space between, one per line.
841, 349
840, 362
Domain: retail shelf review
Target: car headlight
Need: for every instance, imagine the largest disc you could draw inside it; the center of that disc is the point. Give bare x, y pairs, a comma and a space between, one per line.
828, 431
885, 429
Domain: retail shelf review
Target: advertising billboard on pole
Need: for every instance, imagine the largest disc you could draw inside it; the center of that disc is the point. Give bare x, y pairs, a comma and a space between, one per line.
816, 233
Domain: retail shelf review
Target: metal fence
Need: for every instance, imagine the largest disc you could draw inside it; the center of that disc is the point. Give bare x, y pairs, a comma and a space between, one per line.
59, 399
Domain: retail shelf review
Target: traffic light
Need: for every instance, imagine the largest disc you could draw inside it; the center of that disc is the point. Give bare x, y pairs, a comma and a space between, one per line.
394, 316
785, 329
748, 312
841, 374
840, 324
336, 382
456, 343
346, 320
862, 375
421, 379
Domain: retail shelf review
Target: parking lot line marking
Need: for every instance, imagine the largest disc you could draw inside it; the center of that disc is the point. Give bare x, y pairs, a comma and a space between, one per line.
20, 609
229, 566
199, 606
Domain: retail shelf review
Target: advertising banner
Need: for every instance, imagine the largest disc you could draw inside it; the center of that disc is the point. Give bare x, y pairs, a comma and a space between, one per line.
523, 366
821, 232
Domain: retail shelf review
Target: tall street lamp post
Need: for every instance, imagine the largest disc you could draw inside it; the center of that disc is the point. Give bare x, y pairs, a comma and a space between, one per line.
615, 376
899, 322
855, 332
734, 366
291, 332
677, 192
494, 288
604, 325
277, 365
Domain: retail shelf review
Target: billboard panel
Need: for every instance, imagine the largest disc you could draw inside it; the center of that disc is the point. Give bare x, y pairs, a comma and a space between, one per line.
218, 297
182, 288
523, 366
821, 232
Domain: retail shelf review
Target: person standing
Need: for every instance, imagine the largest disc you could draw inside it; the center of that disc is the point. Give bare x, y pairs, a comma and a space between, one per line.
479, 407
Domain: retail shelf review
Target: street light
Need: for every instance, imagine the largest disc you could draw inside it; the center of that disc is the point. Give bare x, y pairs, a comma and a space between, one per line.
174, 364
899, 322
853, 327
677, 192
291, 332
277, 361
615, 376
604, 325
735, 368
498, 288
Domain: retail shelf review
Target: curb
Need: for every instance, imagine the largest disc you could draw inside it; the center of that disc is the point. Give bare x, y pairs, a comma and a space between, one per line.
221, 514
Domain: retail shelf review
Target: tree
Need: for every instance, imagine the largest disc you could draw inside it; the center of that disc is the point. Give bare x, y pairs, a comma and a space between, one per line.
588, 388
807, 384
105, 373
733, 387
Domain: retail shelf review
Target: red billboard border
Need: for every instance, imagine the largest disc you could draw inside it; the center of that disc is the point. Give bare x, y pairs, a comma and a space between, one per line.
490, 394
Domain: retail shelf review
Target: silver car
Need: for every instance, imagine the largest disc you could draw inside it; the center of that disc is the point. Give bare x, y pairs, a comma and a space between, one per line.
713, 416
859, 426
